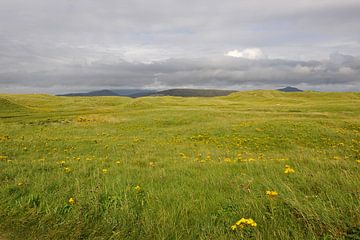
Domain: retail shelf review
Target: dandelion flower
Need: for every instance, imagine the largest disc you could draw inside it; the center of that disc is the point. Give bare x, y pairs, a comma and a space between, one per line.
252, 223
288, 169
244, 222
104, 170
71, 201
272, 194
67, 169
137, 188
152, 164
358, 161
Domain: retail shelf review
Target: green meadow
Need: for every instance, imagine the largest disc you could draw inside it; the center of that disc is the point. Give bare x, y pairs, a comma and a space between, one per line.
180, 168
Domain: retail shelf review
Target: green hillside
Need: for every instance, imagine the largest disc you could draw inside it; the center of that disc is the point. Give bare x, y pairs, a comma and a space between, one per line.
181, 168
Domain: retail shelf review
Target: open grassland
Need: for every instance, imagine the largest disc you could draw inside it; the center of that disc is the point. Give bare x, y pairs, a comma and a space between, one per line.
181, 168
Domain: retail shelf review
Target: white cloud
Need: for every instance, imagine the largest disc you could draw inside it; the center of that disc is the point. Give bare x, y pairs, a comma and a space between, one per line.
346, 70
249, 53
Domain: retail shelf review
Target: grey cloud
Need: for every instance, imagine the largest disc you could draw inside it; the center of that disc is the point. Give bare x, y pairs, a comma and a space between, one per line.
339, 72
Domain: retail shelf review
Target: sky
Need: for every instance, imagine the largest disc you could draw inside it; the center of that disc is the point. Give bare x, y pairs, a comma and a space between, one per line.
52, 46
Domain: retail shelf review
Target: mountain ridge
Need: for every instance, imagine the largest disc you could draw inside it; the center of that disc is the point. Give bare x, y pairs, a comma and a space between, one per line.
177, 92
289, 89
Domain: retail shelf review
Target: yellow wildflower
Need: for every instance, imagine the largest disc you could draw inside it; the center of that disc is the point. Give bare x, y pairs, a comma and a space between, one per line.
227, 160
67, 169
152, 164
358, 161
71, 201
137, 188
288, 169
104, 170
252, 223
233, 227
272, 194
243, 222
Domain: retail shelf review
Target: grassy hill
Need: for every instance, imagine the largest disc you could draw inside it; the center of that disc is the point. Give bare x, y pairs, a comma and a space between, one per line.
180, 168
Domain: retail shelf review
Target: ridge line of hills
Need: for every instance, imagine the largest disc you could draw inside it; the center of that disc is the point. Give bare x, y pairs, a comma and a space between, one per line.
181, 92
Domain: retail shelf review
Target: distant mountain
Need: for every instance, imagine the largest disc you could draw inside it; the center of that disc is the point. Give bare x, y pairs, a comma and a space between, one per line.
193, 92
93, 93
119, 92
135, 93
290, 89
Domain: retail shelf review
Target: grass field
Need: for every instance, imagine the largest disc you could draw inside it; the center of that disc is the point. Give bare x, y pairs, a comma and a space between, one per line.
181, 168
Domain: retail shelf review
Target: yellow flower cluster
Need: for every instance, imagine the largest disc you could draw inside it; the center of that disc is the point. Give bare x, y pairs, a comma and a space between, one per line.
272, 194
61, 162
242, 223
288, 169
71, 201
137, 188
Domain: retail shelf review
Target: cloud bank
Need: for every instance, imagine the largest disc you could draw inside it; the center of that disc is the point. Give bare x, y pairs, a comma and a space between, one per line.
338, 73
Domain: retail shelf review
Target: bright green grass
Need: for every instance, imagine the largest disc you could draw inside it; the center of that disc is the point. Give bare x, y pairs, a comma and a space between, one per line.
174, 149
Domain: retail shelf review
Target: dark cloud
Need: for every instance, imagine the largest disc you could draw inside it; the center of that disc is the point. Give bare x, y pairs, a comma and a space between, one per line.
339, 73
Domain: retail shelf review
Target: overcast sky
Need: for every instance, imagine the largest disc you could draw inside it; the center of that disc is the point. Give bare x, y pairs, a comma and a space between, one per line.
58, 46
